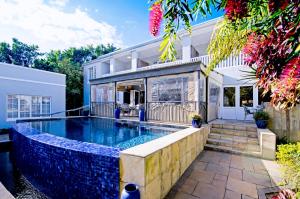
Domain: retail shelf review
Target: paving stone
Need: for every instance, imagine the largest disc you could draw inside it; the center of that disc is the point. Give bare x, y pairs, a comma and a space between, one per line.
198, 165
203, 176
181, 195
256, 178
220, 177
246, 197
216, 168
235, 173
232, 195
242, 187
208, 191
188, 186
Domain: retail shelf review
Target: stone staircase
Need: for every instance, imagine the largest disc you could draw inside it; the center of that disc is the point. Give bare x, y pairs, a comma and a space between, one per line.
236, 138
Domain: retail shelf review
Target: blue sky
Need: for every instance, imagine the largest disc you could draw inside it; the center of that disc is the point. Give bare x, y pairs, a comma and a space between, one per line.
59, 24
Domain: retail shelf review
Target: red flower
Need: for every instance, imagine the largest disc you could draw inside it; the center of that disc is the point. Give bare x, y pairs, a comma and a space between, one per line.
292, 69
236, 9
156, 15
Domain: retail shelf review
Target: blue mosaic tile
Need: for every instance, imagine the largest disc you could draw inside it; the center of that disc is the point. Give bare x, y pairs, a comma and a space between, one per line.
63, 168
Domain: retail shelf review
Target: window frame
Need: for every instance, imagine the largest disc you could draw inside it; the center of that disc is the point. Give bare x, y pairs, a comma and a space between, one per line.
240, 100
234, 96
30, 97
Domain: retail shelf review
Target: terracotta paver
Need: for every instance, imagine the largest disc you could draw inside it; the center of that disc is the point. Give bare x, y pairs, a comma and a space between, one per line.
218, 175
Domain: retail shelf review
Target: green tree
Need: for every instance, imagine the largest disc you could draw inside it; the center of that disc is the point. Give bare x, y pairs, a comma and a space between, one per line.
23, 54
5, 53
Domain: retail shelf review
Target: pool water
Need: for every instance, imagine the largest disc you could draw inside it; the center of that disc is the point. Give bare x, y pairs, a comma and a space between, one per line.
102, 131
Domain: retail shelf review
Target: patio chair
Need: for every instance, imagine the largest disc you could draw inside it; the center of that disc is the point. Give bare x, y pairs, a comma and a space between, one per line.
248, 111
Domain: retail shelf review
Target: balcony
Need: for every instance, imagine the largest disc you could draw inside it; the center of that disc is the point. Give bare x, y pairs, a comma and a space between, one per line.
232, 61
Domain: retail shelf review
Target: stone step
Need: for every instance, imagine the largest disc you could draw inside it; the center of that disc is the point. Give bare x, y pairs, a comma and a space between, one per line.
240, 133
239, 127
232, 151
243, 139
234, 144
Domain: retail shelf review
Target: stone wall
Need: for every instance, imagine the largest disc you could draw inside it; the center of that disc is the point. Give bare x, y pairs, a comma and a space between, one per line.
157, 165
278, 123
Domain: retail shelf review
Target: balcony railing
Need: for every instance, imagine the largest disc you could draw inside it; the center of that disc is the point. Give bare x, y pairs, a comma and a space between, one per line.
205, 59
177, 112
231, 61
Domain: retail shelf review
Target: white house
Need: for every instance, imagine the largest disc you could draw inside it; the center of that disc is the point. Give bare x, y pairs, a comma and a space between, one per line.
29, 93
170, 91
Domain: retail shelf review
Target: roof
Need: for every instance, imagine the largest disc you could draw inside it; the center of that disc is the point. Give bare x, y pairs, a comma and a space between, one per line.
181, 32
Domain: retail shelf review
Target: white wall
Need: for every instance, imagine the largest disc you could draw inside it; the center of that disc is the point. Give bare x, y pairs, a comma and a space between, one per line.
32, 82
236, 77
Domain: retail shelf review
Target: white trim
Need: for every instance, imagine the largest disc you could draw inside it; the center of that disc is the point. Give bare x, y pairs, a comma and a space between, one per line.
31, 81
33, 69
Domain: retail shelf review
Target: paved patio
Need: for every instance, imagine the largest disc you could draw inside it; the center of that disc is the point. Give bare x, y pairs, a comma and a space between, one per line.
217, 175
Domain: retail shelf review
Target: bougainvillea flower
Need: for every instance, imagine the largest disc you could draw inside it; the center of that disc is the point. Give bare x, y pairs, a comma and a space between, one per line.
156, 15
236, 9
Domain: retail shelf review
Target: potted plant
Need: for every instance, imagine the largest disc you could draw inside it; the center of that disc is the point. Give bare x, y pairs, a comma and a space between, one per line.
261, 119
196, 121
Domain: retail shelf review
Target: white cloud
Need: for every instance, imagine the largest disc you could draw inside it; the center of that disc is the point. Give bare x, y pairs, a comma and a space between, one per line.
60, 3
50, 27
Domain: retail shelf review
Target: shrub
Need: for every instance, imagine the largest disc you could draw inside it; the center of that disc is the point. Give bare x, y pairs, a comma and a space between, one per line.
288, 156
197, 117
261, 115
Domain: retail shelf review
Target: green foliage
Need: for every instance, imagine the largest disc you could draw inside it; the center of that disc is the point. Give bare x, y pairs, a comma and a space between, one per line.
288, 156
23, 54
227, 39
67, 62
5, 53
261, 115
197, 117
19, 53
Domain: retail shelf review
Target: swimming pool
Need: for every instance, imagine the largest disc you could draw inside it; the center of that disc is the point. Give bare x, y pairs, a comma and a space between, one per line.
108, 132
78, 157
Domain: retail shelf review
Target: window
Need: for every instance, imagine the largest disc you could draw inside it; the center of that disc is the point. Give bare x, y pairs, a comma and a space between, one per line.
46, 106
214, 91
24, 106
21, 106
229, 97
35, 106
246, 96
92, 72
12, 106
171, 89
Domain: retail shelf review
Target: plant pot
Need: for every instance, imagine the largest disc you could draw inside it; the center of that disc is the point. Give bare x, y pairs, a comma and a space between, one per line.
117, 113
261, 124
196, 123
131, 191
142, 115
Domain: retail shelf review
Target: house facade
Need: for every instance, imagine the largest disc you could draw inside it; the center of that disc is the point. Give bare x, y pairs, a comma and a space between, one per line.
30, 93
134, 78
